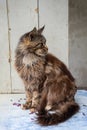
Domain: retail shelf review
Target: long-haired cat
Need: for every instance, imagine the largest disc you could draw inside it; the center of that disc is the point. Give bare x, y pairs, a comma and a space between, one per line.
49, 85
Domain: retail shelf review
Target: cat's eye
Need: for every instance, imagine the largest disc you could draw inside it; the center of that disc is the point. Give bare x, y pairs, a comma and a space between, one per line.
39, 45
42, 44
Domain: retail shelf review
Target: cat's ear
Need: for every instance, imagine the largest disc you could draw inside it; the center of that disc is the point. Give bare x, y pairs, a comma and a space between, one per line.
34, 30
41, 29
31, 34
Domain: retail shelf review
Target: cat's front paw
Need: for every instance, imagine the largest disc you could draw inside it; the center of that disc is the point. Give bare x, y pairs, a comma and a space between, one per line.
33, 110
26, 106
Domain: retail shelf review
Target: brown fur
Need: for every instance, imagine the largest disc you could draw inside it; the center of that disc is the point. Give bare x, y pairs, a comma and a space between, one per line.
57, 103
49, 85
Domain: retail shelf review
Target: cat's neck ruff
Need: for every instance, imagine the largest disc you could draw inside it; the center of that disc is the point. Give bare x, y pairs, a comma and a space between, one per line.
31, 59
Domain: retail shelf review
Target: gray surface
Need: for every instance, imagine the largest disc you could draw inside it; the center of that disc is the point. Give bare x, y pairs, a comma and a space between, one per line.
13, 118
78, 40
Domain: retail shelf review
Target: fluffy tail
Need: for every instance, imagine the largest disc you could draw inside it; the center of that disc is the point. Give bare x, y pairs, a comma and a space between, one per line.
46, 118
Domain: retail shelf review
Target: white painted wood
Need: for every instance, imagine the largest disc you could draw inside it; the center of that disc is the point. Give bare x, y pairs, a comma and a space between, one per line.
23, 18
5, 83
54, 15
4, 50
17, 83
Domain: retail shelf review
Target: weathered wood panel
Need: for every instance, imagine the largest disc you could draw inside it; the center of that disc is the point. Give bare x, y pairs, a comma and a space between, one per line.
54, 14
22, 18
19, 17
5, 84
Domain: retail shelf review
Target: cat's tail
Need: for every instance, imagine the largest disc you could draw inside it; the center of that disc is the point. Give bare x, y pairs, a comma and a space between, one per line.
63, 113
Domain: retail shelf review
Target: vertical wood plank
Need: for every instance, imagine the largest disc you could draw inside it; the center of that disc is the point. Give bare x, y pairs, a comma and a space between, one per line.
54, 15
22, 18
5, 82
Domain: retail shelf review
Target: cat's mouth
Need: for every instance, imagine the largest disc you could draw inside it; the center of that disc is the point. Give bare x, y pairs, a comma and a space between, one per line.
41, 51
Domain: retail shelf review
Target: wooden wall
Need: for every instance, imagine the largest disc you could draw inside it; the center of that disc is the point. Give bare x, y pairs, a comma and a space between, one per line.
20, 16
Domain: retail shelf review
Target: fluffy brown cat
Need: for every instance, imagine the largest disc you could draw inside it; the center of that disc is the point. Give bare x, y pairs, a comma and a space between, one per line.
49, 86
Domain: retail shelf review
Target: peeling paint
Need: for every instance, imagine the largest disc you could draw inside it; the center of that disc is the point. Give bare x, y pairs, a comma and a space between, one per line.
9, 60
9, 29
37, 10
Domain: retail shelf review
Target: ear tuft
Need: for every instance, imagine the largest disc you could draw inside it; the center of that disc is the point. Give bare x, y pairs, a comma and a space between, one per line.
41, 29
34, 30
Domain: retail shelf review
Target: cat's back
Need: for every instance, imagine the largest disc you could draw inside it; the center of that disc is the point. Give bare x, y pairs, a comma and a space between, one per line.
55, 63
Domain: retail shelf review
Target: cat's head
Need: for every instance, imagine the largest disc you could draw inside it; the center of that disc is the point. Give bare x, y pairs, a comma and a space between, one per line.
34, 42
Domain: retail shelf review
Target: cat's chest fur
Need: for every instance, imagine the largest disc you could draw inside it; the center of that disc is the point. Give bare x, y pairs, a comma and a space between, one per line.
33, 69
30, 60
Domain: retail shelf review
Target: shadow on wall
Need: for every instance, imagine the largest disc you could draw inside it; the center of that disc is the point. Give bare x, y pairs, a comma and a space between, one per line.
78, 40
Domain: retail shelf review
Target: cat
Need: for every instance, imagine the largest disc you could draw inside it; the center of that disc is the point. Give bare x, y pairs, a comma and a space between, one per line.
30, 64
49, 85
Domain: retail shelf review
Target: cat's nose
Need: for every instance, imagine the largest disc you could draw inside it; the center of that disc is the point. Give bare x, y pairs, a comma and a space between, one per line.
46, 47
